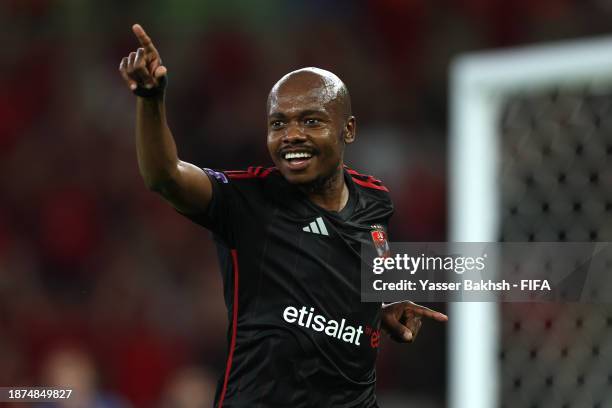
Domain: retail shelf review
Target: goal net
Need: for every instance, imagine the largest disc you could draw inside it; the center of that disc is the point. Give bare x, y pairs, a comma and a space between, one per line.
531, 161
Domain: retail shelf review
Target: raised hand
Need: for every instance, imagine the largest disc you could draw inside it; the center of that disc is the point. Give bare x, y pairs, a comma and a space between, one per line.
143, 69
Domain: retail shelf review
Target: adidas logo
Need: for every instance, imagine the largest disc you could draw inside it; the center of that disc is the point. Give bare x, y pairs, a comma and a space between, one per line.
316, 227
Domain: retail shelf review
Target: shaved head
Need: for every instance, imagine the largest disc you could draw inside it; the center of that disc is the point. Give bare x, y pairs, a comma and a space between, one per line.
315, 82
309, 124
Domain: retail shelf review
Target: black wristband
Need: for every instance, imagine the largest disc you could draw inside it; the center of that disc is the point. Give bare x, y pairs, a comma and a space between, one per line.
153, 92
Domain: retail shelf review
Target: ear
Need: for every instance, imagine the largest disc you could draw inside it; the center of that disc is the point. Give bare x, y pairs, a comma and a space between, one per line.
350, 129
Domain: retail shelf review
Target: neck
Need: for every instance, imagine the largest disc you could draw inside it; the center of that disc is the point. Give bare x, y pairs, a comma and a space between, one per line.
330, 193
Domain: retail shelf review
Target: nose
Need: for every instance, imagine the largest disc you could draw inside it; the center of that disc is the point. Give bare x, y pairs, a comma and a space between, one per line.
294, 134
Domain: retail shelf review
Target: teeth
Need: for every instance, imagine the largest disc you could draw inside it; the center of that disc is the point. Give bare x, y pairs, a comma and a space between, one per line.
299, 155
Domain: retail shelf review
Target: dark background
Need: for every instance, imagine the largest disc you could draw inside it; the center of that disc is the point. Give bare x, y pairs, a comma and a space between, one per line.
102, 284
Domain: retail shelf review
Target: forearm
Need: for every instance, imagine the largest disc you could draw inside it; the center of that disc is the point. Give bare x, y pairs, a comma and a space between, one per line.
155, 146
182, 184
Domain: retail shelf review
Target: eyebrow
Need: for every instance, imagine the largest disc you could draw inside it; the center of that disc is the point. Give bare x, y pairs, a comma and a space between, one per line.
308, 112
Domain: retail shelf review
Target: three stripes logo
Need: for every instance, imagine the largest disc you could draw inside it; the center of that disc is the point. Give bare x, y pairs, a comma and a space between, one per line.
316, 227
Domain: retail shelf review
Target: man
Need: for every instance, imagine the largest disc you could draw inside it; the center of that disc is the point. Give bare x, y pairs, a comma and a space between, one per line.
289, 240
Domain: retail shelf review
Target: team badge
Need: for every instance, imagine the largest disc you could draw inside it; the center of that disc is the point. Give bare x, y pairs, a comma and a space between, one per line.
379, 238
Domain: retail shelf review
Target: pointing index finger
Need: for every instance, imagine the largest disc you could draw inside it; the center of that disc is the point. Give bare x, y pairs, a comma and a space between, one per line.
427, 312
143, 38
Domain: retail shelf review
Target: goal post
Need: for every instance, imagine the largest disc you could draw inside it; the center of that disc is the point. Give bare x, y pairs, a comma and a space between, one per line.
479, 85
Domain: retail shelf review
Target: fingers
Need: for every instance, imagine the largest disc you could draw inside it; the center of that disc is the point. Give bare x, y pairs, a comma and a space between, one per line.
403, 320
131, 59
427, 312
140, 70
143, 38
398, 331
135, 72
123, 70
160, 72
412, 321
416, 329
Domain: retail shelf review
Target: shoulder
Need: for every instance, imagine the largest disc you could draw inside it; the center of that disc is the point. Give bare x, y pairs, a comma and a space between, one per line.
370, 187
251, 181
374, 195
250, 175
366, 181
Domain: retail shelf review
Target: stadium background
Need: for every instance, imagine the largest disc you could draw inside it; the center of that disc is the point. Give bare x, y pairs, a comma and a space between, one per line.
101, 283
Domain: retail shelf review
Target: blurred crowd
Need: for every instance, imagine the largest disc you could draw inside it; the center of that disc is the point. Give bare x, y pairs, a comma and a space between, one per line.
104, 286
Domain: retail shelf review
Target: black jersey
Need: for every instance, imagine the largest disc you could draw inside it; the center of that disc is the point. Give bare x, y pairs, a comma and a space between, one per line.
299, 335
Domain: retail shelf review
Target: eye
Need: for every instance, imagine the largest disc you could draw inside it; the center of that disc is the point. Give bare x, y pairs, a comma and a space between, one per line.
276, 124
312, 122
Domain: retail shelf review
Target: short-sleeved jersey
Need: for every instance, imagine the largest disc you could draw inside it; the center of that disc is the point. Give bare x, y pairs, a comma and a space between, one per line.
299, 335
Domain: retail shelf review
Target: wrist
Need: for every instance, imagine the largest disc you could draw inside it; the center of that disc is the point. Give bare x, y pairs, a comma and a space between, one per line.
156, 92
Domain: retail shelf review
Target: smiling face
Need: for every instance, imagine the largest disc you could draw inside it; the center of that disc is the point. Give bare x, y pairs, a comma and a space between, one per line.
309, 123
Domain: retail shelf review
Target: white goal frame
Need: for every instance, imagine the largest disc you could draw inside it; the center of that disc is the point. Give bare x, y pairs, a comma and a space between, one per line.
479, 83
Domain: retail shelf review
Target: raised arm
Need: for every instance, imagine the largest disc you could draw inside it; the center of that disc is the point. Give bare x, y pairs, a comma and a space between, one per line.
182, 184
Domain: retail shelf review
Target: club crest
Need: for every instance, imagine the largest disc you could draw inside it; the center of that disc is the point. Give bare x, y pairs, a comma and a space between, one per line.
379, 238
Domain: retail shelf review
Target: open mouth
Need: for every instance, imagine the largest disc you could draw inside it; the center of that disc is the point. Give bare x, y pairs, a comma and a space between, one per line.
297, 160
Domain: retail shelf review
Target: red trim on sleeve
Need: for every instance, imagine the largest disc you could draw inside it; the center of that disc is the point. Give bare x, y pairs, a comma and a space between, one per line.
370, 184
240, 175
252, 172
267, 172
232, 347
366, 181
